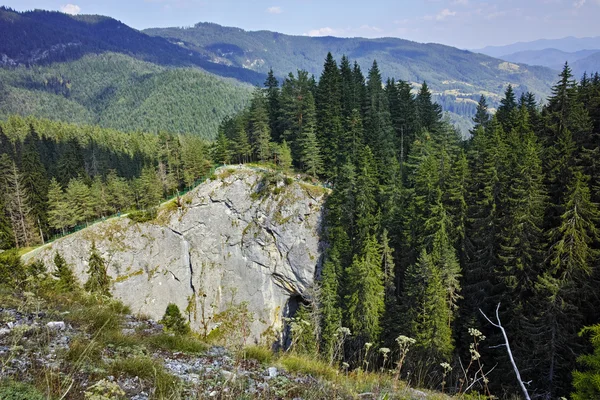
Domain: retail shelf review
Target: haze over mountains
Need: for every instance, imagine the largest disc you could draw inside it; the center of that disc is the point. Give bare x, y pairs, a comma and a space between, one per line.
56, 41
582, 54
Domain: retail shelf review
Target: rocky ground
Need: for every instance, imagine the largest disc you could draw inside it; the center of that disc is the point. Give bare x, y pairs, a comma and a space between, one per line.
75, 362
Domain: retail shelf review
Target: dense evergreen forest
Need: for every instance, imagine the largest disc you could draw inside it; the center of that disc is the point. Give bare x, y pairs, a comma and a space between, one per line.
56, 176
119, 92
426, 229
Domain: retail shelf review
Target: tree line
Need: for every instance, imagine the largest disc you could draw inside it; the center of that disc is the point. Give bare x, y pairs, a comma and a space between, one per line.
426, 228
55, 176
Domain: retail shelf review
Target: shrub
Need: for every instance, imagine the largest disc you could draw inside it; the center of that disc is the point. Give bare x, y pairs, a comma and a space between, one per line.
142, 216
10, 390
12, 270
174, 322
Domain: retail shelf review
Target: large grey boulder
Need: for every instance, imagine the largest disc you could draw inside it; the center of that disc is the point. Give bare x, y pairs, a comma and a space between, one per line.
235, 239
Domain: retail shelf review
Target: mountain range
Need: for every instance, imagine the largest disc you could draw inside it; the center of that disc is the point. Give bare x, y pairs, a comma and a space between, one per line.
95, 69
582, 54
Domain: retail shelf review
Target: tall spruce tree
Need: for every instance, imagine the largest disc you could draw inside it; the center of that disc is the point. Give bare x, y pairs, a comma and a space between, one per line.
329, 115
366, 293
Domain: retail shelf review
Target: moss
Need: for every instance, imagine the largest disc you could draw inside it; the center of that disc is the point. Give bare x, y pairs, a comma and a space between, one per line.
123, 278
314, 191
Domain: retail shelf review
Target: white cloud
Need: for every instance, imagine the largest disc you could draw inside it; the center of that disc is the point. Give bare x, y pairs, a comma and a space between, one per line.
579, 3
445, 13
274, 10
72, 9
460, 2
327, 31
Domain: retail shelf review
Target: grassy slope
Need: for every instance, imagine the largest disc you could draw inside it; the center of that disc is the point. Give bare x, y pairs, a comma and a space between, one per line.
118, 91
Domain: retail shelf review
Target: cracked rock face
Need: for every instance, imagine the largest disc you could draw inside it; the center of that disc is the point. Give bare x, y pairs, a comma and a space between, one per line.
231, 242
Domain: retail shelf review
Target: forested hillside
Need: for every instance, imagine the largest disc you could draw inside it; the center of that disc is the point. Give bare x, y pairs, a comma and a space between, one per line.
425, 229
42, 37
117, 91
456, 77
56, 176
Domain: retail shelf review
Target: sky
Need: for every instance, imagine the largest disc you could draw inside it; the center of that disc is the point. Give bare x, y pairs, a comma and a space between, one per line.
469, 24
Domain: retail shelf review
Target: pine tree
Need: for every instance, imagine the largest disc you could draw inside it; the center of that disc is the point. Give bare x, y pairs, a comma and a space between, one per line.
35, 180
285, 156
63, 272
309, 151
273, 105
366, 292
329, 114
58, 208
331, 313
365, 199
426, 312
149, 189
222, 152
390, 320
80, 204
98, 280
430, 113
120, 195
587, 382
565, 287
482, 116
260, 132
70, 163
17, 203
507, 111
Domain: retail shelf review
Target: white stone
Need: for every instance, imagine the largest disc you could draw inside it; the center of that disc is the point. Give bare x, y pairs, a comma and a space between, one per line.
272, 372
56, 326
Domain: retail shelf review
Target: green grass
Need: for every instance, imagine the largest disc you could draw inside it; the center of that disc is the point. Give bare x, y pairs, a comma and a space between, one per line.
258, 353
150, 370
309, 366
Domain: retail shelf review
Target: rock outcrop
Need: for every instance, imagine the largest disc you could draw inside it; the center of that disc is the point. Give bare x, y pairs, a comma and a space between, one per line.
245, 237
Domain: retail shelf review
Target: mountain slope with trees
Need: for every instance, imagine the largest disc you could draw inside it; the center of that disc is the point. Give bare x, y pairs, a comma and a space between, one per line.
456, 77
120, 92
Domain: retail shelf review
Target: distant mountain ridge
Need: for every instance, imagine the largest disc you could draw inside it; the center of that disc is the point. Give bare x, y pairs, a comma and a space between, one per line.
568, 44
457, 77
42, 37
551, 58
31, 39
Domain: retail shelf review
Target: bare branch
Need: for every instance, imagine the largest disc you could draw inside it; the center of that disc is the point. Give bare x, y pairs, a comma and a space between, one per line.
508, 350
482, 377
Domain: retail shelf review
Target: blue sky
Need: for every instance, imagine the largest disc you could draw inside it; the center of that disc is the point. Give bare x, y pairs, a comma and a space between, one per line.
460, 23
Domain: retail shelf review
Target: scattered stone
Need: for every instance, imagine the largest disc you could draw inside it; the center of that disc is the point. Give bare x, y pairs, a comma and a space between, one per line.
227, 375
272, 371
4, 331
56, 326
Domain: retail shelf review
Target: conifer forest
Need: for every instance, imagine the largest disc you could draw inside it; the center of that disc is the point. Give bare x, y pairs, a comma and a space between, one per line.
458, 255
428, 231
